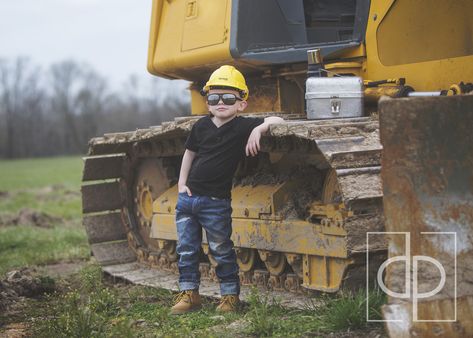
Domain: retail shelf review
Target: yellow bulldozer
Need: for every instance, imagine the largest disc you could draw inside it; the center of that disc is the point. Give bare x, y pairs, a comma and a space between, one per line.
303, 206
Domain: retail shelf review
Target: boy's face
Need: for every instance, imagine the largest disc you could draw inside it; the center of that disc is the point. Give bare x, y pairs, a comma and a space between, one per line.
222, 110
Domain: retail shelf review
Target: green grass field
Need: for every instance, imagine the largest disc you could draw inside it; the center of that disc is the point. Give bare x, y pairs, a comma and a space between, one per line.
51, 187
41, 172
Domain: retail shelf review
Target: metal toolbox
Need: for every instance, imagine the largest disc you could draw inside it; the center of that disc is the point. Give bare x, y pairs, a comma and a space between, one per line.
334, 97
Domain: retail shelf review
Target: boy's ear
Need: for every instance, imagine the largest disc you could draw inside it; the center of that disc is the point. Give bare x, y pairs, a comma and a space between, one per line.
242, 105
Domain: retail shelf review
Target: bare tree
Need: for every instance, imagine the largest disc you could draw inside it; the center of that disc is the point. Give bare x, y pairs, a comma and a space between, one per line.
90, 103
60, 115
65, 78
20, 101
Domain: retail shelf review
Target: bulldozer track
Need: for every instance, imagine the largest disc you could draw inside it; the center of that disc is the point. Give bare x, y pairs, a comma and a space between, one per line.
316, 182
140, 274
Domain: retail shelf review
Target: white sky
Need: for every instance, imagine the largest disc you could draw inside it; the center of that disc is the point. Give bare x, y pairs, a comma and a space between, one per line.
110, 35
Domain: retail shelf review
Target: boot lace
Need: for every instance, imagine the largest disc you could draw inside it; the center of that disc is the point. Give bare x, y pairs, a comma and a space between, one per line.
229, 300
184, 296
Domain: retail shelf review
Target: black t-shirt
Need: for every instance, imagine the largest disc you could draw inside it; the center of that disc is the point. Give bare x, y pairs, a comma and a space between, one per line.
219, 149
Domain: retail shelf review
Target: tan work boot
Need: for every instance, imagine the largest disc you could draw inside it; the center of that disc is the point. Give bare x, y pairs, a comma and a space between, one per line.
228, 303
186, 301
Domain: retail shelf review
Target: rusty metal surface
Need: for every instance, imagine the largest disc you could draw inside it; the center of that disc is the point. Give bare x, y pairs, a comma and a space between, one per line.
117, 141
104, 228
357, 184
427, 176
355, 159
443, 307
109, 253
101, 197
357, 227
109, 148
100, 168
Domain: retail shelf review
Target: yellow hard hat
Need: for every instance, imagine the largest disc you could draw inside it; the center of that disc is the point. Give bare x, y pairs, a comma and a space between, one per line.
227, 76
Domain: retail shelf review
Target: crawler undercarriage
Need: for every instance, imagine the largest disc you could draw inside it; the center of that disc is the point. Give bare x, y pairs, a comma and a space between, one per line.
301, 208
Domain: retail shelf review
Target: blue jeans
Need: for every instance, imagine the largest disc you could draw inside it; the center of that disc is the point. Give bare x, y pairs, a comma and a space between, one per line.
213, 215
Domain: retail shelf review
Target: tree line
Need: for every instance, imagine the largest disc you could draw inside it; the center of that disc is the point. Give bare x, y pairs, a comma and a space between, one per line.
56, 111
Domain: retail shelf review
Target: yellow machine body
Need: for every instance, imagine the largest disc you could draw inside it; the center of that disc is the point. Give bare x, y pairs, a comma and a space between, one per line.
255, 218
189, 36
428, 45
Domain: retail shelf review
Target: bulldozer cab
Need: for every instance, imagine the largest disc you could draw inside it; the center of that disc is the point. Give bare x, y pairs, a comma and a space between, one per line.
277, 31
256, 33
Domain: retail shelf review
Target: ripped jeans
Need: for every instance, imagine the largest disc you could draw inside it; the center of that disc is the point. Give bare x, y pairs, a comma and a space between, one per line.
213, 215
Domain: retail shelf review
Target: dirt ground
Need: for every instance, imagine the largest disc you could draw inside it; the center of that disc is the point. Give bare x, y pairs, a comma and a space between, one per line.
19, 285
29, 217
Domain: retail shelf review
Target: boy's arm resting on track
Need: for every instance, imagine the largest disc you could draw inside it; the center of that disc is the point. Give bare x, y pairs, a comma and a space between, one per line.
253, 146
187, 159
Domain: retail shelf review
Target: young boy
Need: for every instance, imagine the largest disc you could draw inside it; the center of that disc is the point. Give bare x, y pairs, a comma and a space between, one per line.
214, 147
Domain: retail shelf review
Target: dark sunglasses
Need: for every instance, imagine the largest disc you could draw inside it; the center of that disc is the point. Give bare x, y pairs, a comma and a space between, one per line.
227, 99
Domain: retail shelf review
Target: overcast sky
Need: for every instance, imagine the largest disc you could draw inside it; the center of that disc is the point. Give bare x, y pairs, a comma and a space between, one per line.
110, 35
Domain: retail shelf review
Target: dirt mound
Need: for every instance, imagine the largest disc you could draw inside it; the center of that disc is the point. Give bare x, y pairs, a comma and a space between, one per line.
29, 217
22, 283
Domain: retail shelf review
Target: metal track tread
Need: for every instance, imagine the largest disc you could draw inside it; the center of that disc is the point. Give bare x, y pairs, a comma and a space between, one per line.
141, 274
